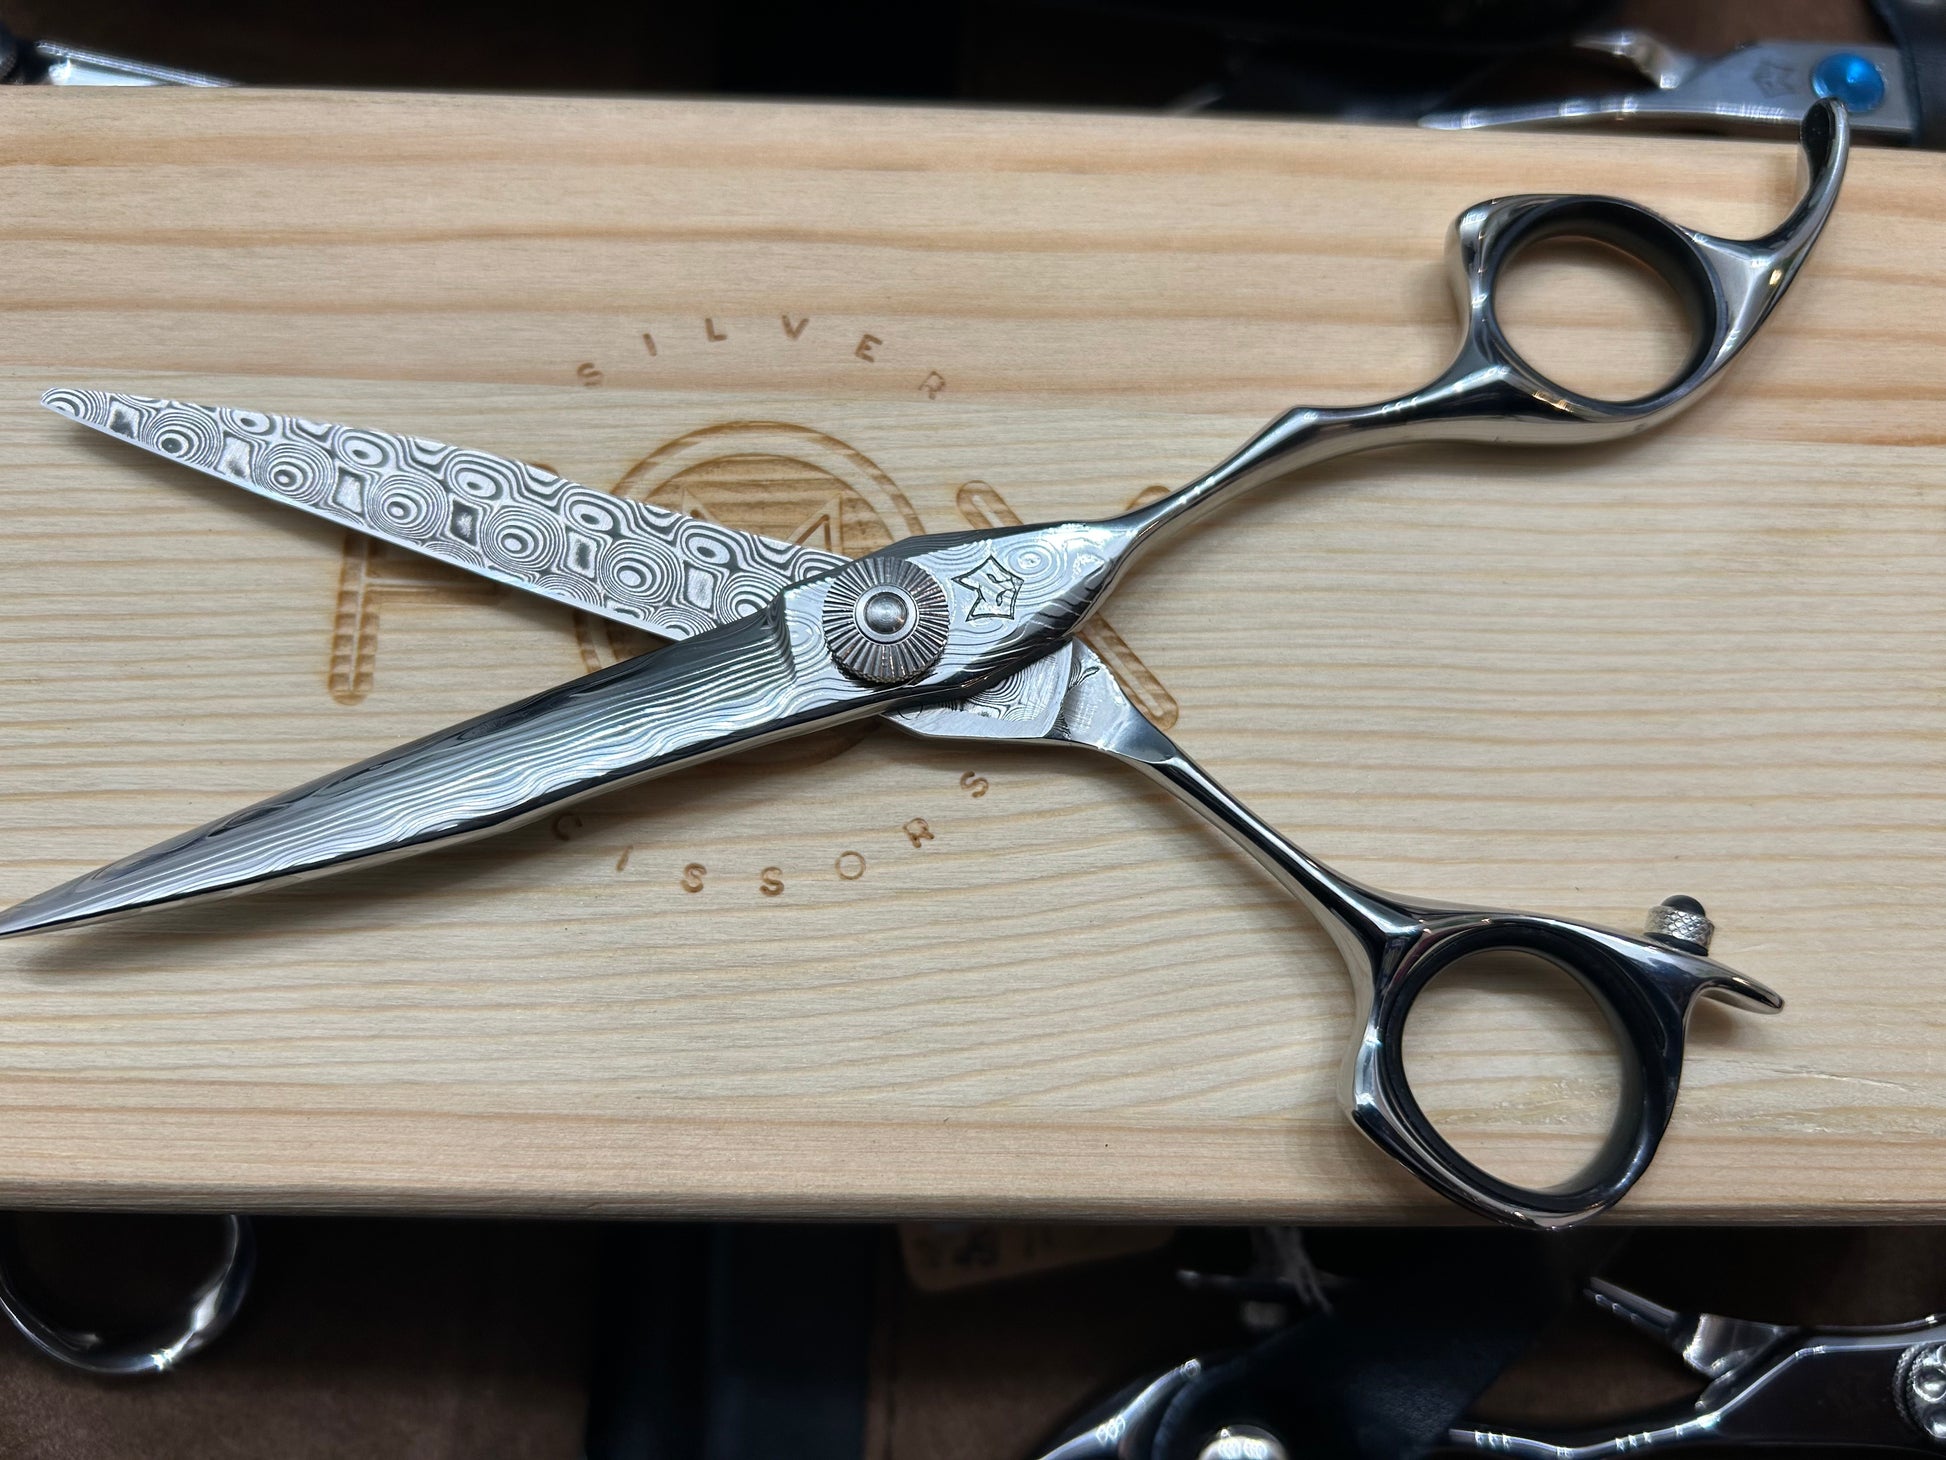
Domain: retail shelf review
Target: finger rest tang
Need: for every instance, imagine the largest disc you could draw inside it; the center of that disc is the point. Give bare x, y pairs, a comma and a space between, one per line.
1646, 986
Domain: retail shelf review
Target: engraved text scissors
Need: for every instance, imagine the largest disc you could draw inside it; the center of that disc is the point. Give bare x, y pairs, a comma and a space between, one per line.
963, 635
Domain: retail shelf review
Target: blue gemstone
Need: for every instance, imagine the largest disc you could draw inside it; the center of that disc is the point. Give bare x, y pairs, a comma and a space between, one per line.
1851, 79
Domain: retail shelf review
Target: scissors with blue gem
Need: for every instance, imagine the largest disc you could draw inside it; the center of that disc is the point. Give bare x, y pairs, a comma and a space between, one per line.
967, 635
1757, 86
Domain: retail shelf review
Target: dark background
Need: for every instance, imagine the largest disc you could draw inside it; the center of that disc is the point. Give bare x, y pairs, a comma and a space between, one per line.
1026, 52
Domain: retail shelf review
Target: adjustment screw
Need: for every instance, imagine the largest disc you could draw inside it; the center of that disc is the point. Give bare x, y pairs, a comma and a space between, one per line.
1243, 1442
885, 620
1680, 922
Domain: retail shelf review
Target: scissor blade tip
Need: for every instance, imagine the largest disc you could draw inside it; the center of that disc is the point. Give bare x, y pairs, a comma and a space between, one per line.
55, 908
16, 922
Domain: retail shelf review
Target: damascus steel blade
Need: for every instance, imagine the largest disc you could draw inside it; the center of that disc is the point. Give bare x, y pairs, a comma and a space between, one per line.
630, 561
1014, 596
733, 687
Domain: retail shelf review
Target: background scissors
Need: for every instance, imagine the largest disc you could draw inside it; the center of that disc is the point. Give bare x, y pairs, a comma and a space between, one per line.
780, 639
1759, 85
1878, 1389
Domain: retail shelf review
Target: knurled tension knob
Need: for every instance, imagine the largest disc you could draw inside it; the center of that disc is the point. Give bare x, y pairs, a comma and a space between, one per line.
885, 620
1681, 923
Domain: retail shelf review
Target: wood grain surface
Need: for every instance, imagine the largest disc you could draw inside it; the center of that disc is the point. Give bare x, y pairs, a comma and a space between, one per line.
914, 978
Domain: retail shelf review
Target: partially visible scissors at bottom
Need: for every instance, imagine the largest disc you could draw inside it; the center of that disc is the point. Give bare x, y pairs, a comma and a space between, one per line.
965, 635
1877, 1390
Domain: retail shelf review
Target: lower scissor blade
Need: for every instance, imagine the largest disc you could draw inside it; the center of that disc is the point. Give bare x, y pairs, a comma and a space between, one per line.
722, 691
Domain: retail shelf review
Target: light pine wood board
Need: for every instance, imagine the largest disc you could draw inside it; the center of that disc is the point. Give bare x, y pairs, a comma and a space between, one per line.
1708, 661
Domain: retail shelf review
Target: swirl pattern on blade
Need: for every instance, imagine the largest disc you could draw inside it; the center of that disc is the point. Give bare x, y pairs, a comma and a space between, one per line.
739, 685
630, 561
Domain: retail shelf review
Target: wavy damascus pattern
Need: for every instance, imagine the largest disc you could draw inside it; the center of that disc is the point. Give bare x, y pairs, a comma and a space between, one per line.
630, 561
626, 560
1008, 598
733, 687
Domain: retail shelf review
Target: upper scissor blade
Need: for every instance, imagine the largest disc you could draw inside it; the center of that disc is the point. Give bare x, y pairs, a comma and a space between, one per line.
630, 561
733, 687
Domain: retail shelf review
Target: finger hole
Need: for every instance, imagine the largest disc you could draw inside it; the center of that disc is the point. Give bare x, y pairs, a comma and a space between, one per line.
1516, 1066
1595, 319
120, 1276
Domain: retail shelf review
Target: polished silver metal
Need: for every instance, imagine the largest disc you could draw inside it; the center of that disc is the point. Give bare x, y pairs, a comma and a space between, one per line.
631, 562
1708, 1343
1490, 393
1873, 1390
72, 66
752, 681
205, 1313
1922, 1389
1394, 947
50, 63
769, 653
1243, 1442
1756, 87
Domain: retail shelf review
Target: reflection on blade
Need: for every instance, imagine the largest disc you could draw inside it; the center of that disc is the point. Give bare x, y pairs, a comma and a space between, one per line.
626, 560
734, 687
1026, 705
1066, 697
629, 561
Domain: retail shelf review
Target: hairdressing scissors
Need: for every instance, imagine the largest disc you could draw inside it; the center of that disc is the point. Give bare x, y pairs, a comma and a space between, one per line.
50, 63
1756, 86
1880, 1389
964, 635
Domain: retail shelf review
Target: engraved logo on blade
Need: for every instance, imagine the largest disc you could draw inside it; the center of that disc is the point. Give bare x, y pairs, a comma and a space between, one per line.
981, 504
995, 589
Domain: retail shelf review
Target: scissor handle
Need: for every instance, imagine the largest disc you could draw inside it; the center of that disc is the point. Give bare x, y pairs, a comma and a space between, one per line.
199, 1321
1726, 288
1645, 986
1393, 949
1490, 392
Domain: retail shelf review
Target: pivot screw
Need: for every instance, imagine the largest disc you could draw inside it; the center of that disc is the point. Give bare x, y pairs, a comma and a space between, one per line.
1680, 922
885, 620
